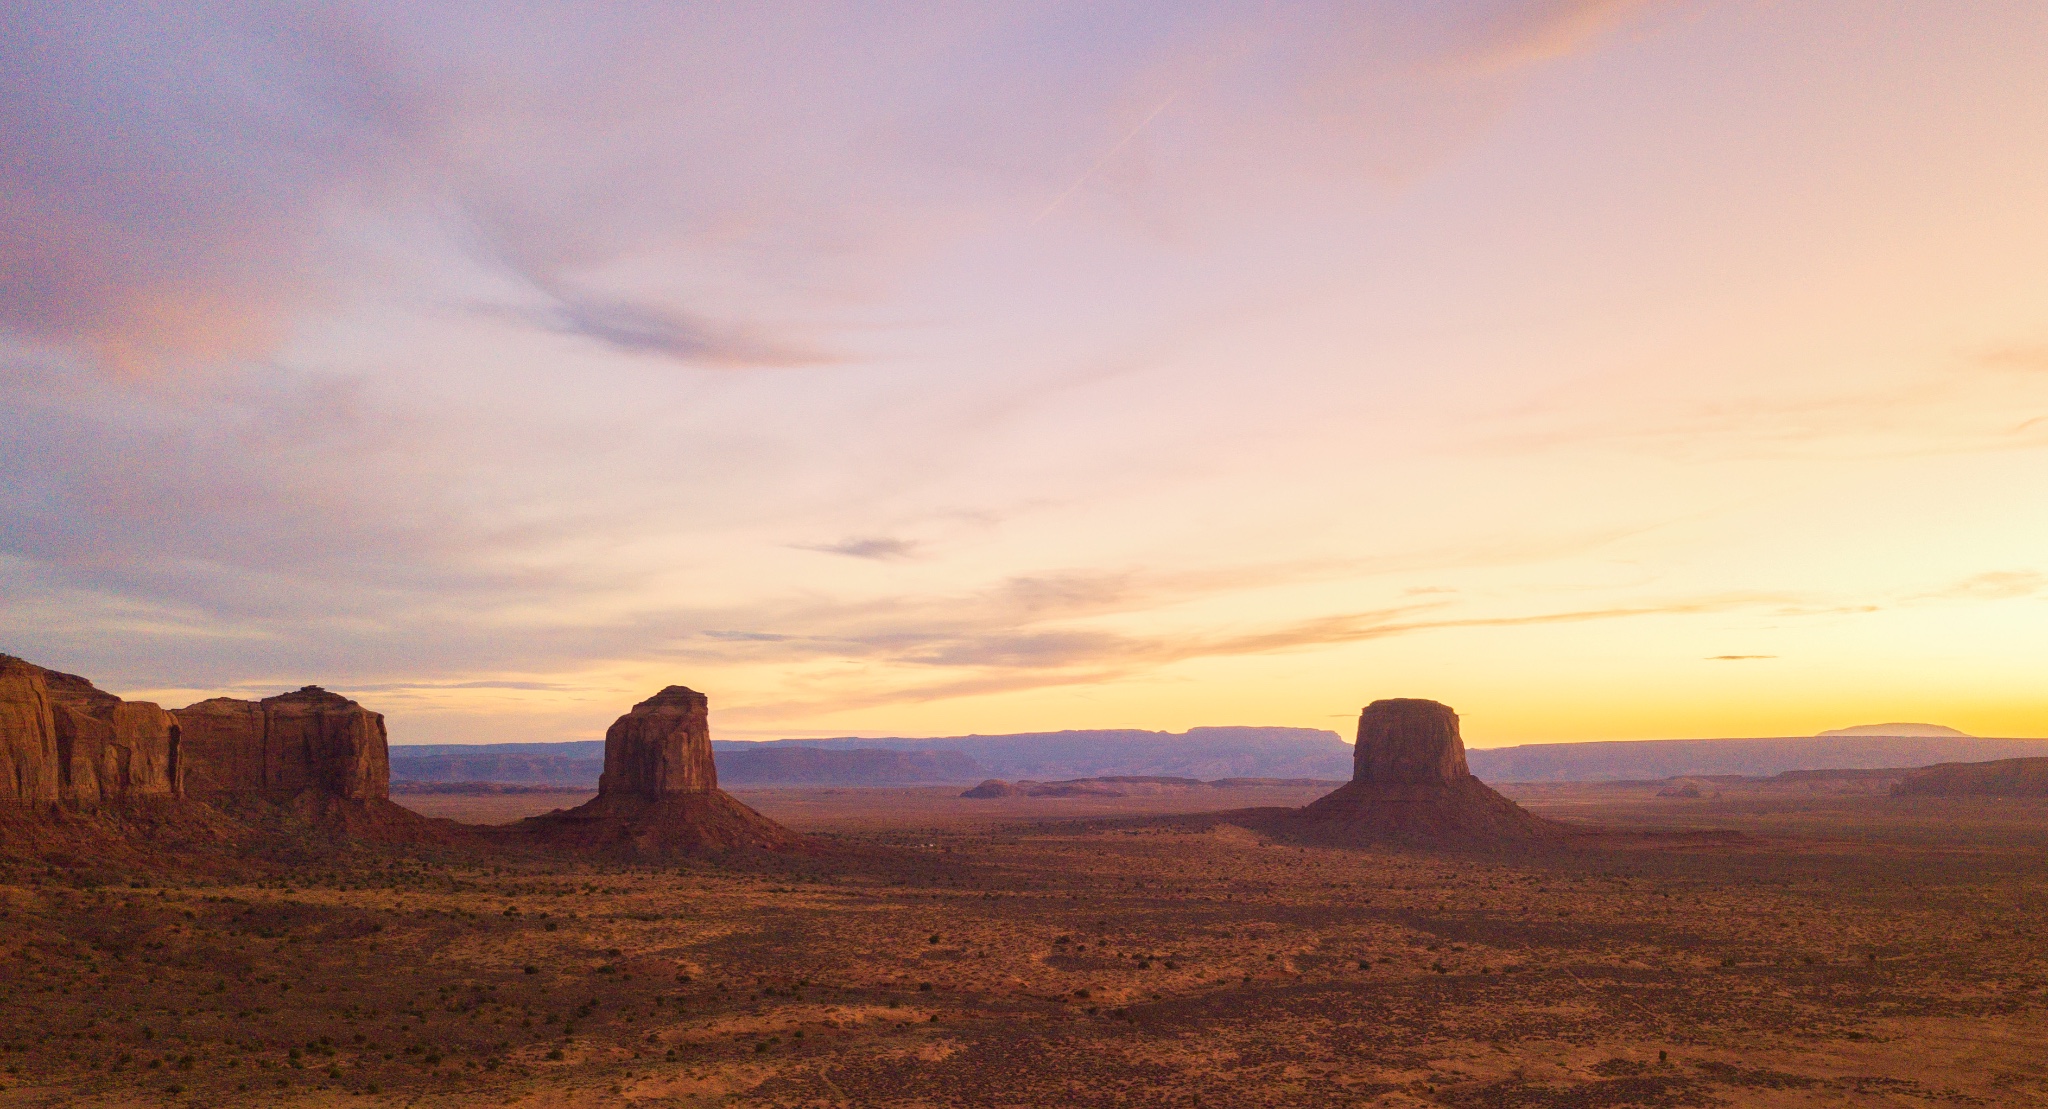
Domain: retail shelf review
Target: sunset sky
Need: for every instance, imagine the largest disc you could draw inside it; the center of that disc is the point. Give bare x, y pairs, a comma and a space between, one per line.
1602, 369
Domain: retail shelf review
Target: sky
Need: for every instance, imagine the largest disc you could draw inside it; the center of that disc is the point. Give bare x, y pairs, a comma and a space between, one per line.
1603, 369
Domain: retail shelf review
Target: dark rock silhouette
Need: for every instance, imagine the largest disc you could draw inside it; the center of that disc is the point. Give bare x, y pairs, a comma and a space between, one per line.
308, 741
659, 792
1409, 783
64, 740
994, 787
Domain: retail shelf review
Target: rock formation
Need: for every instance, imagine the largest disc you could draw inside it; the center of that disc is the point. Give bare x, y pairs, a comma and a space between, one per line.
62, 740
310, 757
1999, 778
1409, 784
662, 747
992, 788
316, 758
659, 792
278, 748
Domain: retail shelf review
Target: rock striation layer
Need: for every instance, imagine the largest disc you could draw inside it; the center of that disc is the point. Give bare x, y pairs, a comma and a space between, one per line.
659, 791
1409, 783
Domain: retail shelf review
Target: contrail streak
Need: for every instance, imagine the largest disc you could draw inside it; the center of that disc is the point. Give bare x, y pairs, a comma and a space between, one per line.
1104, 160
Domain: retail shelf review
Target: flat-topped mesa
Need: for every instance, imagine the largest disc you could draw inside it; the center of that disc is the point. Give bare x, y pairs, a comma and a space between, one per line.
1408, 741
662, 747
659, 791
1409, 783
63, 739
306, 741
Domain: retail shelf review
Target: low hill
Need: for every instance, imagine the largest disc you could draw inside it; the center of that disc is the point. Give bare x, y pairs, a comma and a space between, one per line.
1637, 760
2001, 778
1899, 729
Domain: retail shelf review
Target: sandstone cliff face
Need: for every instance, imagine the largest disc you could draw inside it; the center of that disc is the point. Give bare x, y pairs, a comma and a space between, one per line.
221, 747
28, 735
115, 753
1405, 740
62, 739
307, 741
661, 747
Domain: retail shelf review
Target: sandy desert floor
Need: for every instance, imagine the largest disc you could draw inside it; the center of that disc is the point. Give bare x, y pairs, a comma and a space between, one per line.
1849, 951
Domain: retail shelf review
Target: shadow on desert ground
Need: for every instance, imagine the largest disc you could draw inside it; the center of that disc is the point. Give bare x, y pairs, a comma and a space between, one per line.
1037, 951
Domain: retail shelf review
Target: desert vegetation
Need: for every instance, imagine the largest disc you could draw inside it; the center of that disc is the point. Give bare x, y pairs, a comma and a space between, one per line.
922, 959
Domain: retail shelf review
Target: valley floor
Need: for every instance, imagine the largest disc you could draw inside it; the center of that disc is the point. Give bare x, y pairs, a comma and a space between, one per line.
1851, 951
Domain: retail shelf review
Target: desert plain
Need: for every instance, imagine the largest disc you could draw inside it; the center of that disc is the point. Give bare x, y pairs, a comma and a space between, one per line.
1841, 949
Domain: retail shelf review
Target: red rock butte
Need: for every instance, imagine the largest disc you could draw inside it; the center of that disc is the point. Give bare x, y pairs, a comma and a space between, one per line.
67, 745
284, 746
659, 791
1409, 783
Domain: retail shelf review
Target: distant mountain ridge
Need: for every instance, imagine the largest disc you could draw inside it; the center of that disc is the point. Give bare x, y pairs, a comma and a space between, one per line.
1899, 729
1650, 759
1203, 753
854, 767
553, 764
2002, 778
1206, 753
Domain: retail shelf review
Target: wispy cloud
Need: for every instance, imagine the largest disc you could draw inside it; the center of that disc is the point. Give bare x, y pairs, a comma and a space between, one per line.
1516, 33
873, 548
531, 687
1995, 585
635, 328
1960, 407
169, 174
1012, 659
